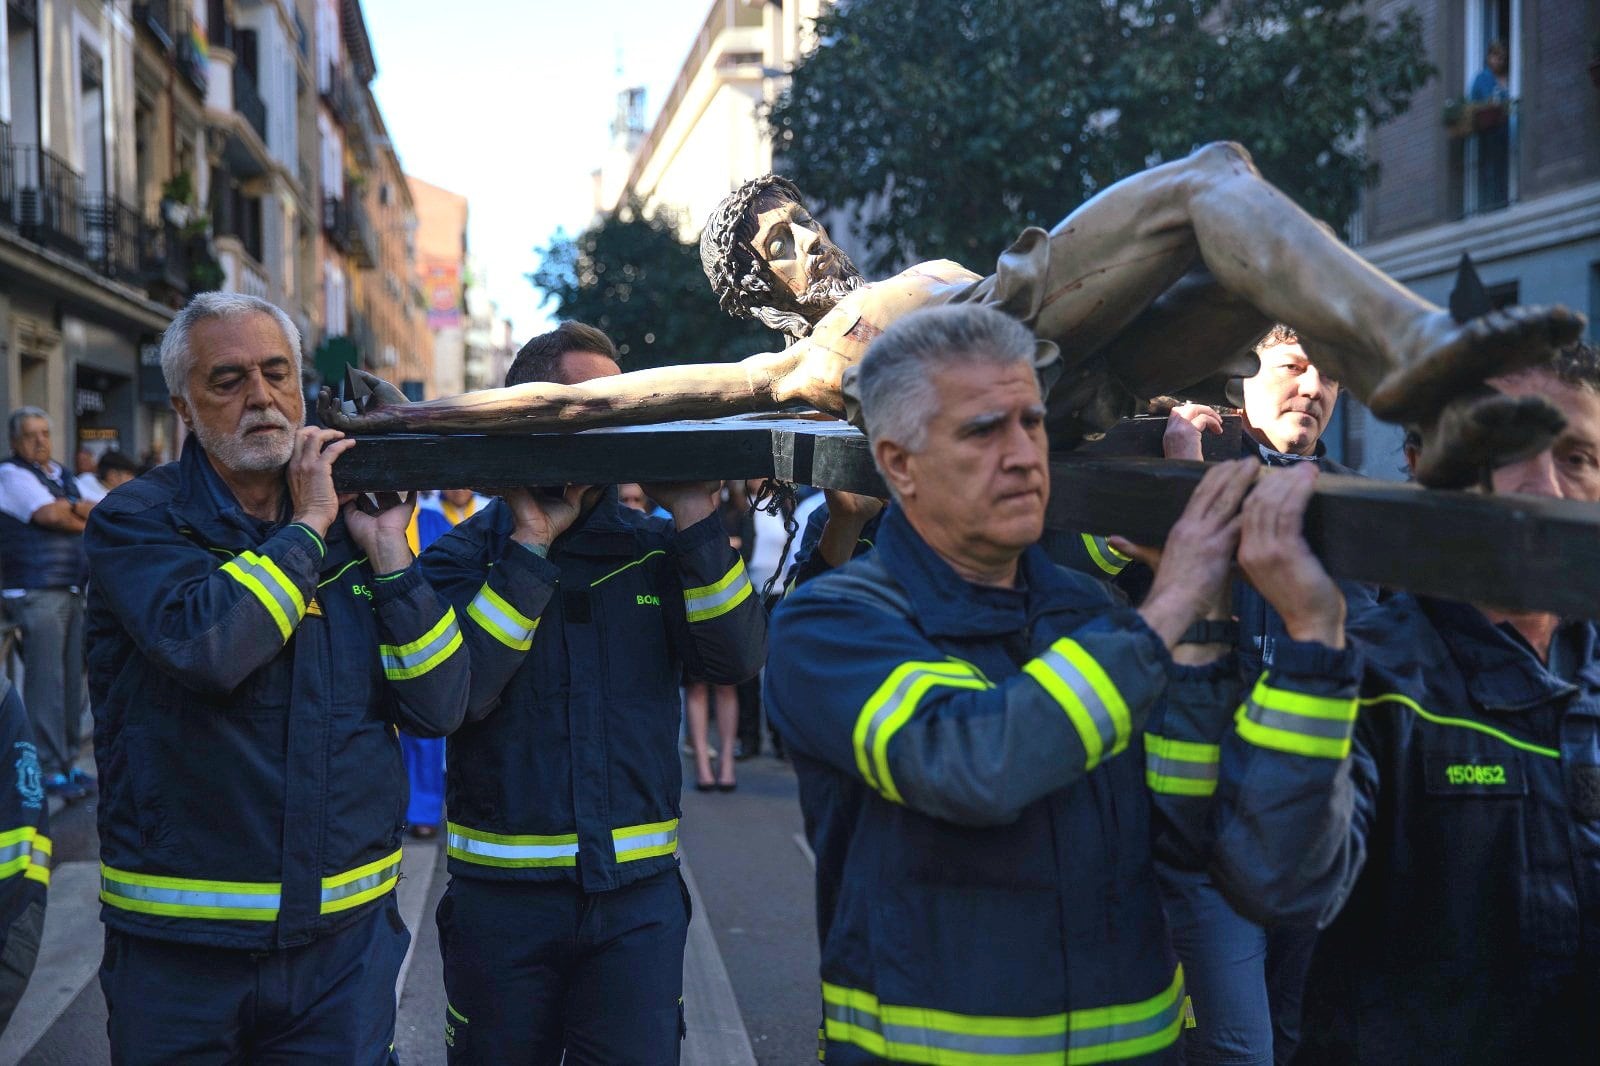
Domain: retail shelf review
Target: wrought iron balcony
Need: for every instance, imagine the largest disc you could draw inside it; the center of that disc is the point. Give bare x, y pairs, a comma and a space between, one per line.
112, 238
347, 226
45, 198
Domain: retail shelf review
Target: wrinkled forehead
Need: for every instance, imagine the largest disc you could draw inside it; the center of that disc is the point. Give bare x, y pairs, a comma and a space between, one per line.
238, 340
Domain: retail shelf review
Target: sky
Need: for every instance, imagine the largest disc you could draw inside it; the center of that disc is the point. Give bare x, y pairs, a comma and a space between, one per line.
509, 103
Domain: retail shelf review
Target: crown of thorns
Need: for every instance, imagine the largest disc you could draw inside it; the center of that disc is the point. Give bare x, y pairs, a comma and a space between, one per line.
738, 276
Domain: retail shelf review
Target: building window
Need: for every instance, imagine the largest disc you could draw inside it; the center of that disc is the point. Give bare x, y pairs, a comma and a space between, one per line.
1485, 149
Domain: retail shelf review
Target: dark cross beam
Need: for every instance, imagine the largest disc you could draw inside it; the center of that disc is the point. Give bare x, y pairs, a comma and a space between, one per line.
1516, 552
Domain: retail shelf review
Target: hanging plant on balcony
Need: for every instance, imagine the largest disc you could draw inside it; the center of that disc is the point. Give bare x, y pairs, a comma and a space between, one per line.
1463, 118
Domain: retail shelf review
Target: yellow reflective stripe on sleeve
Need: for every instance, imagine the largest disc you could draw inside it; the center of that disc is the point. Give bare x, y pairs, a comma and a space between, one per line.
510, 851
271, 586
495, 615
1104, 555
891, 705
1086, 692
405, 661
944, 1038
1180, 767
352, 888
635, 842
1297, 723
713, 601
25, 851
183, 897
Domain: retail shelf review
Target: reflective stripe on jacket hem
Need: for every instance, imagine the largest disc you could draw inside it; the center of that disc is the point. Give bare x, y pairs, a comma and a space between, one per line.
239, 901
630, 843
943, 1038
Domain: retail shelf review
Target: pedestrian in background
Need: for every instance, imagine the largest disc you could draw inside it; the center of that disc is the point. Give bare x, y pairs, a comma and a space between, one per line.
110, 470
42, 574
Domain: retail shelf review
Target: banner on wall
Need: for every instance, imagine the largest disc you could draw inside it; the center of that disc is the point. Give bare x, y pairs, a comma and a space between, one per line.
442, 283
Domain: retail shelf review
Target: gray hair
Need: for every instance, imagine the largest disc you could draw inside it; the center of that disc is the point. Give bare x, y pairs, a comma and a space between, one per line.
177, 357
895, 381
21, 415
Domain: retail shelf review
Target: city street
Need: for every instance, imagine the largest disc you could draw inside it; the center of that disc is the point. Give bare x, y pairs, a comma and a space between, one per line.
750, 986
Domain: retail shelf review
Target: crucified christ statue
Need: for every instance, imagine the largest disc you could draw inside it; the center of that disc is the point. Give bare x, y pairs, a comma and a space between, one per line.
1154, 286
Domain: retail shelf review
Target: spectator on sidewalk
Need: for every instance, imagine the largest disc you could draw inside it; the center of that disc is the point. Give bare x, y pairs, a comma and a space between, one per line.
42, 574
112, 469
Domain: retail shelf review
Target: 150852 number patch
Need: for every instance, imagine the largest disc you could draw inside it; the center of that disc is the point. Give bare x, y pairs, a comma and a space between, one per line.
1473, 774
1464, 775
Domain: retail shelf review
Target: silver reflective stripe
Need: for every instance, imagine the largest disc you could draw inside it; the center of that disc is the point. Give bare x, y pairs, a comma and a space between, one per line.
1328, 728
511, 851
889, 706
1104, 724
482, 604
706, 605
412, 659
188, 897
360, 884
917, 1036
269, 581
15, 851
1190, 768
624, 845
1132, 1029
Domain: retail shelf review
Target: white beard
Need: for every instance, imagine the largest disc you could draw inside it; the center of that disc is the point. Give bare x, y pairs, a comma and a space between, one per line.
240, 451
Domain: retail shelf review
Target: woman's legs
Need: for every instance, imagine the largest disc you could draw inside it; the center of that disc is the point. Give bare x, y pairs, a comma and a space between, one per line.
695, 696
727, 697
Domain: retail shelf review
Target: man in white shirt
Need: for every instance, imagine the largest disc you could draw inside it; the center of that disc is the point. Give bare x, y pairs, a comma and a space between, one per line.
42, 576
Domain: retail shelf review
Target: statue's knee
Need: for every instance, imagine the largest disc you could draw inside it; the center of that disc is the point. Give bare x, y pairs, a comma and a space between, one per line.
1223, 157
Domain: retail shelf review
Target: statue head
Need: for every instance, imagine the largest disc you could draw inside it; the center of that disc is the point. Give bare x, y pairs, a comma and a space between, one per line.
768, 259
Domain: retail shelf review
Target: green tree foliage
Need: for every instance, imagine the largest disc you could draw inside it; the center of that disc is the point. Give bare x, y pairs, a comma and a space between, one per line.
631, 275
958, 122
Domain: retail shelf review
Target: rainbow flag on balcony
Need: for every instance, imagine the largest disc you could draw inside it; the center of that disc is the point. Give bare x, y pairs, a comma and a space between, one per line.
197, 41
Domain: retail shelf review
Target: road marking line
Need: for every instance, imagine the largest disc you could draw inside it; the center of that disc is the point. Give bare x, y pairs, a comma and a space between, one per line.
716, 1032
417, 867
805, 849
69, 957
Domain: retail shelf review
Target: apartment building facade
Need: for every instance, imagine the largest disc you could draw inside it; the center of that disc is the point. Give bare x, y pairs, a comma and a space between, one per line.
1513, 180
440, 267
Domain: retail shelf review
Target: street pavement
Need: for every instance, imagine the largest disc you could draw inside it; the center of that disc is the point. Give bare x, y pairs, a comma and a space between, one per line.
750, 970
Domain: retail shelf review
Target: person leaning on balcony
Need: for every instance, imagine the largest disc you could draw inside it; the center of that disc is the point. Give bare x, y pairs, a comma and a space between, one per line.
42, 573
254, 642
987, 710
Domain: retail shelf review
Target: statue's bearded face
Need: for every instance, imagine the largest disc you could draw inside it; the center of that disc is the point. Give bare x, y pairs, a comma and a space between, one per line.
801, 258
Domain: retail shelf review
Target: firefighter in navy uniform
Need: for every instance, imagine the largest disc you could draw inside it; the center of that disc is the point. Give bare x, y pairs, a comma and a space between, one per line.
984, 710
24, 851
1436, 809
1246, 981
251, 654
563, 926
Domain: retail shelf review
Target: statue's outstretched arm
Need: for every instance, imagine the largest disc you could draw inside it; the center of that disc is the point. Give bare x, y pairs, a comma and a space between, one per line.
660, 394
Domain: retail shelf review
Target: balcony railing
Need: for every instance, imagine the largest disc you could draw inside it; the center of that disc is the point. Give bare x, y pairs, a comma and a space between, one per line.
164, 257
45, 198
341, 97
249, 102
347, 226
112, 237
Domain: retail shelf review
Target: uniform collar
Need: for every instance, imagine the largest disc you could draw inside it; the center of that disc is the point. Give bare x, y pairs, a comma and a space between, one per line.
946, 603
205, 504
1501, 672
